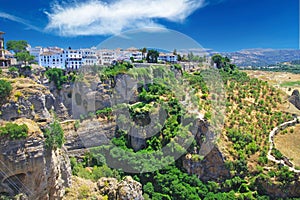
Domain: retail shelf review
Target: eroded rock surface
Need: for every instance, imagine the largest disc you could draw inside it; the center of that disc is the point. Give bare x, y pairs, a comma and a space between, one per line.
28, 167
295, 99
127, 189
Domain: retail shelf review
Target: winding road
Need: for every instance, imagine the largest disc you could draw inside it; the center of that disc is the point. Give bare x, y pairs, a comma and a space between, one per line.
271, 141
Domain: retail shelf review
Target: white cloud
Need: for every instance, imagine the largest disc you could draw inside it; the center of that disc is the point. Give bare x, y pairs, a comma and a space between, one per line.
19, 20
96, 17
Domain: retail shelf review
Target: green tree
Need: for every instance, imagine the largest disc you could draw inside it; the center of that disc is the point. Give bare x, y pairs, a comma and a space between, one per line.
54, 136
24, 57
144, 51
190, 56
14, 131
175, 52
152, 56
148, 188
16, 45
218, 60
5, 90
57, 76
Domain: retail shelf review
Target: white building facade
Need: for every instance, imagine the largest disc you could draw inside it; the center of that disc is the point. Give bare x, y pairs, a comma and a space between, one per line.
52, 60
67, 59
170, 58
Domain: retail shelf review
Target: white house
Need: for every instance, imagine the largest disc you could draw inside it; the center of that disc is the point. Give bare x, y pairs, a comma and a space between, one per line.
52, 60
89, 57
167, 57
36, 52
107, 56
136, 55
73, 58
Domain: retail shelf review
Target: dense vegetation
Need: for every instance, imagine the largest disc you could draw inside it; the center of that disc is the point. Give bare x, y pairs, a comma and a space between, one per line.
251, 113
59, 77
19, 48
14, 131
54, 136
5, 90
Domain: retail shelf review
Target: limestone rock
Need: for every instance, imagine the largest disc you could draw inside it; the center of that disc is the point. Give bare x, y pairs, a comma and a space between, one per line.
127, 189
208, 163
15, 110
212, 167
90, 134
295, 99
27, 167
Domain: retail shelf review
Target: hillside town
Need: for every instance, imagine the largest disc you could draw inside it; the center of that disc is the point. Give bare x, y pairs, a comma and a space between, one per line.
56, 57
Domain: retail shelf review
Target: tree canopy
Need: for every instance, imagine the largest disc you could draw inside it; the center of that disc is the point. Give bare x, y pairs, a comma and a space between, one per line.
24, 57
152, 56
5, 89
16, 45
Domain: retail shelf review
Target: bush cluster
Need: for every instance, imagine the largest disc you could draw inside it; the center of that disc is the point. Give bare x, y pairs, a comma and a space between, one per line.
14, 131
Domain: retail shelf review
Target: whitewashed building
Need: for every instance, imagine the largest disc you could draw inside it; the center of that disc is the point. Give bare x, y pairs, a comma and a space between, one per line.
89, 57
167, 57
107, 56
51, 60
73, 58
36, 52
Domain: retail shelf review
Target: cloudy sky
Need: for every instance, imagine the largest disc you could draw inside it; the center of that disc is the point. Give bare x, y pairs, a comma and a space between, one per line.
222, 25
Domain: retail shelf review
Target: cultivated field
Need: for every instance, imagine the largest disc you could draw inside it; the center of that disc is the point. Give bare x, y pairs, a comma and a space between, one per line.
289, 144
286, 82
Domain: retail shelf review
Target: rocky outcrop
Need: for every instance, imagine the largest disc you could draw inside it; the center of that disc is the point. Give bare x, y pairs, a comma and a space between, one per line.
207, 161
91, 133
36, 106
211, 167
295, 99
62, 100
276, 191
127, 189
15, 110
26, 166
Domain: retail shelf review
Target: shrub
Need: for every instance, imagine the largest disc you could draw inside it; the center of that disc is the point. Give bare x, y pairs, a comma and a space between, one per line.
57, 76
13, 69
104, 112
277, 154
14, 131
208, 115
76, 125
54, 136
5, 90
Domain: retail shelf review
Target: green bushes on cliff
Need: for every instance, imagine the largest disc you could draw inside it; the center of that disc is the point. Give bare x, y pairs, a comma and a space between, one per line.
14, 131
57, 76
5, 90
54, 136
60, 77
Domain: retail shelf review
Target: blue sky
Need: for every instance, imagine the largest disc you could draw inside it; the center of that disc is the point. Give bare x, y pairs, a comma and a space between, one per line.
222, 25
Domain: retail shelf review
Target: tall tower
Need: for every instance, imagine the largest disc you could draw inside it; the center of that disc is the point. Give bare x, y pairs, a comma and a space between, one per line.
2, 53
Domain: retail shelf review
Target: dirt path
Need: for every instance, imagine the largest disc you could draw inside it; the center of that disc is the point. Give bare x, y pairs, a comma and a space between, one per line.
271, 140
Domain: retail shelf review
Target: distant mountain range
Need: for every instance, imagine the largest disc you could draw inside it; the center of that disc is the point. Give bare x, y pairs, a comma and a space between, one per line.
262, 57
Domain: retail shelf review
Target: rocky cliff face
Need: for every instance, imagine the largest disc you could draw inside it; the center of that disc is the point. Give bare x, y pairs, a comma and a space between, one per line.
207, 161
91, 133
276, 191
32, 101
211, 167
123, 190
28, 167
295, 99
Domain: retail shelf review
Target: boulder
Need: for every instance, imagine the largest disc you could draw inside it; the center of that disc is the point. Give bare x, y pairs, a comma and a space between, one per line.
295, 99
127, 189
